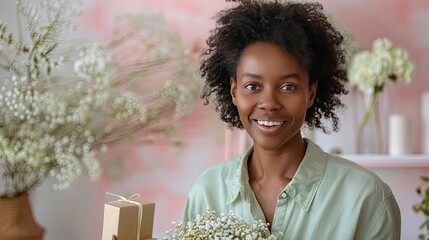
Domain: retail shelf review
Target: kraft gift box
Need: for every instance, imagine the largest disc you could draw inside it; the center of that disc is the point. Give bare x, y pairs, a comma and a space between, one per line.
121, 220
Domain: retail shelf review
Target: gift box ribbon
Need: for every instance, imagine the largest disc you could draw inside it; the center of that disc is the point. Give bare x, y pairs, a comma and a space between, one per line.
130, 200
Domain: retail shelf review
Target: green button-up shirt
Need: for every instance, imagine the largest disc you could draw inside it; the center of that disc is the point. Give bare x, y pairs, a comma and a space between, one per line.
328, 198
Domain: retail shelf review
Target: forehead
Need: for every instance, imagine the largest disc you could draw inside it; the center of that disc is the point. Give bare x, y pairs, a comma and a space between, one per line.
268, 57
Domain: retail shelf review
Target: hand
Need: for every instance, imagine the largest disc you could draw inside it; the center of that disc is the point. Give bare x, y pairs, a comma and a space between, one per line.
114, 237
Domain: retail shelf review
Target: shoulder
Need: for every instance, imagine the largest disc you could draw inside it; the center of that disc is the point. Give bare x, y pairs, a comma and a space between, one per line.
356, 177
219, 172
339, 171
366, 194
211, 189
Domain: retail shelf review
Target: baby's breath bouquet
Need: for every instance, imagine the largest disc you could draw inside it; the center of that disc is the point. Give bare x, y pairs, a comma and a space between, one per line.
370, 71
224, 227
59, 110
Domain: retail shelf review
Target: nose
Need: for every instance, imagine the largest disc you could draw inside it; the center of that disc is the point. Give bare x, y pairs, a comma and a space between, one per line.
269, 100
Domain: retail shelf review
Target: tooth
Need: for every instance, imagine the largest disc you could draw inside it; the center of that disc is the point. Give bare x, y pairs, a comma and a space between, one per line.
269, 123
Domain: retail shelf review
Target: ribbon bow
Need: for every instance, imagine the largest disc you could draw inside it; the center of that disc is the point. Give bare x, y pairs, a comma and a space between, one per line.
130, 200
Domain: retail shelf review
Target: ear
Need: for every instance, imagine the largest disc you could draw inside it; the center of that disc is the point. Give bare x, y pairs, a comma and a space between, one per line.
312, 90
233, 90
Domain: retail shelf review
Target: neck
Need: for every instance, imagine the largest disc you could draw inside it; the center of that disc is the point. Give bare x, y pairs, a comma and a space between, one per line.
274, 165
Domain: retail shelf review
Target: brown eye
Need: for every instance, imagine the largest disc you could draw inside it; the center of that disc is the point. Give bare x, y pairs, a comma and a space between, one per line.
287, 87
251, 87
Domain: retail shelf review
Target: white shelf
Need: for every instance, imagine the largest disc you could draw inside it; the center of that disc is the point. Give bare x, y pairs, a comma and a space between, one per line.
390, 161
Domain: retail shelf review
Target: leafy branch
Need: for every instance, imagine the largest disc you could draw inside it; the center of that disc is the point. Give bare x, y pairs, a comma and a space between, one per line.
423, 206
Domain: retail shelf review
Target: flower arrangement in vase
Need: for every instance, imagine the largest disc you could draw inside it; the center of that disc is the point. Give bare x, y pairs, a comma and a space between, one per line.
58, 111
370, 71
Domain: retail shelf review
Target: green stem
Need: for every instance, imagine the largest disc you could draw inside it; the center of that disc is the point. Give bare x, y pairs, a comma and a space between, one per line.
380, 145
374, 99
10, 63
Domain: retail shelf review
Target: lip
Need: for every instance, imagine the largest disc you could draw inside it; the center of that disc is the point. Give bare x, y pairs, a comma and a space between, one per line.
269, 129
268, 118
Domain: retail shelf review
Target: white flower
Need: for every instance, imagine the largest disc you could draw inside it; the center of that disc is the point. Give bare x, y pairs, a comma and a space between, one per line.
57, 125
361, 74
369, 71
402, 66
226, 226
94, 63
382, 44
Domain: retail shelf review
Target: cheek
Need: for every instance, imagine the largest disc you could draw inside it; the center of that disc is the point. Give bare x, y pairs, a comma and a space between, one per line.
244, 106
297, 106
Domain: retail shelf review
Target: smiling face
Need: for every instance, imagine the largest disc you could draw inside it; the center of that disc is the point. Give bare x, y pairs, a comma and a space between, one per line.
272, 94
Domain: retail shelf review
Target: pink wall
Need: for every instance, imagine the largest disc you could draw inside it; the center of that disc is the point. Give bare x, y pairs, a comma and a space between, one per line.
164, 174
404, 22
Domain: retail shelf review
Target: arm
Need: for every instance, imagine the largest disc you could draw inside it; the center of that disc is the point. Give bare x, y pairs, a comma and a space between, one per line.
195, 204
386, 223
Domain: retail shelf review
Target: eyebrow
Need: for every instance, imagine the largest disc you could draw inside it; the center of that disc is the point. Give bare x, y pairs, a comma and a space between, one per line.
283, 77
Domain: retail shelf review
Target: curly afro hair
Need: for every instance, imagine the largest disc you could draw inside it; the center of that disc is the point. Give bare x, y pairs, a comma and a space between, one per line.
299, 28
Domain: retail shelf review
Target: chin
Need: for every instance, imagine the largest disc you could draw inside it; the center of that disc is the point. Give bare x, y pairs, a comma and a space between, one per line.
276, 142
270, 145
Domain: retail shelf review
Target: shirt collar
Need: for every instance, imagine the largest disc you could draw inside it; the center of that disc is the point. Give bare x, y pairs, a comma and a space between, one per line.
239, 183
308, 177
304, 185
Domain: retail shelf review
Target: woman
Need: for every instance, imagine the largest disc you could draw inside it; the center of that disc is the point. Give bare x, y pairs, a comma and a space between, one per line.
268, 68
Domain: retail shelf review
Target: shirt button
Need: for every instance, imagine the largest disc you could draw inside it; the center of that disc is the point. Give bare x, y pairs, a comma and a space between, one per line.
283, 195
